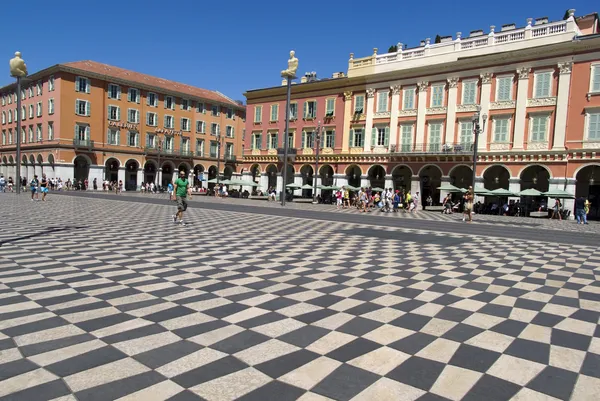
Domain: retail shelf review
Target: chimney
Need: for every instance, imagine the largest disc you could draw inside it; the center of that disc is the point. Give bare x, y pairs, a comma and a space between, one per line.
338, 75
304, 79
422, 43
508, 27
476, 33
541, 21
445, 39
284, 82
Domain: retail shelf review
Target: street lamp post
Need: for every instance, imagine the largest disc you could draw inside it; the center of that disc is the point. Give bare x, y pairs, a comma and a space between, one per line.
316, 175
289, 74
218, 136
476, 131
159, 171
18, 70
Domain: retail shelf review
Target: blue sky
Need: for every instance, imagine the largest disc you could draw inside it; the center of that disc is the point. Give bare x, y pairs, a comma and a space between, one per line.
233, 46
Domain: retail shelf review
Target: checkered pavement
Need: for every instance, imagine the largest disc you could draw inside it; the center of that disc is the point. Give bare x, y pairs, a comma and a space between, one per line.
104, 300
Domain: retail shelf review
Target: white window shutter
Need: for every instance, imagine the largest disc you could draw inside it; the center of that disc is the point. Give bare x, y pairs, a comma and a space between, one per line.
77, 84
147, 99
119, 113
87, 132
129, 95
373, 136
303, 139
87, 108
232, 132
305, 114
387, 136
351, 138
76, 106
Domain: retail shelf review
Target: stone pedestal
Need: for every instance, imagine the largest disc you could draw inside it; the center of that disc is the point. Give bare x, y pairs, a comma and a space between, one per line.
121, 176
415, 184
389, 182
445, 181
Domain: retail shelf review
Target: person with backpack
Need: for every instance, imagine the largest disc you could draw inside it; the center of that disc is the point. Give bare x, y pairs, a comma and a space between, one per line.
44, 187
33, 187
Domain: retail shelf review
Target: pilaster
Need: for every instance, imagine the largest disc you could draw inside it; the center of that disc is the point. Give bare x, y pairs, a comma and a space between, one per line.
521, 110
389, 182
347, 120
451, 111
159, 175
369, 119
415, 184
486, 91
421, 111
140, 177
121, 176
394, 116
562, 103
279, 186
445, 180
514, 186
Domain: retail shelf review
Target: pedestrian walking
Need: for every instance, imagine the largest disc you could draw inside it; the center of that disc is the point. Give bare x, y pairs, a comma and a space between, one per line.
33, 185
95, 184
468, 209
2, 183
44, 187
580, 210
182, 190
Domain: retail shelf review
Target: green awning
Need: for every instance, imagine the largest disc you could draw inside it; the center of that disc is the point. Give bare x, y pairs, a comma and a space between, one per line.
558, 193
306, 186
449, 188
501, 192
293, 185
377, 189
351, 188
530, 192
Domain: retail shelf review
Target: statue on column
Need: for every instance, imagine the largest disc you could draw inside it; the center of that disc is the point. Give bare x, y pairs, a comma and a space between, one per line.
292, 67
17, 66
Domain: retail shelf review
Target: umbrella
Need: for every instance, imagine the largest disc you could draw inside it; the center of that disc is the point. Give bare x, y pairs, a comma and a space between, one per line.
558, 193
481, 191
530, 192
226, 182
377, 189
306, 186
351, 188
449, 188
293, 185
325, 187
213, 181
501, 192
244, 183
334, 187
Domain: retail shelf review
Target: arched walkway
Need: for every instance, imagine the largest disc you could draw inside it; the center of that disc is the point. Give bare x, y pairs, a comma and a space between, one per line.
377, 176
198, 175
185, 167
353, 173
496, 176
131, 169
461, 176
307, 173
326, 174
588, 186
272, 175
255, 172
51, 166
150, 171
111, 170
81, 168
167, 174
401, 176
536, 177
227, 173
431, 179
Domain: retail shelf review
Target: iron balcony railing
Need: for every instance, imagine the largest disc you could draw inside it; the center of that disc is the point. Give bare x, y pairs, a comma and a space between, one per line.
83, 143
186, 153
433, 148
230, 158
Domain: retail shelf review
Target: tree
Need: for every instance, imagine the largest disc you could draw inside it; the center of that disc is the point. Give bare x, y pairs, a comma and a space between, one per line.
393, 49
438, 39
566, 16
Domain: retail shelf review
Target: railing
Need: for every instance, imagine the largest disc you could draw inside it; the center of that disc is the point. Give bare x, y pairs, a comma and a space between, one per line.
230, 158
150, 149
457, 45
434, 148
199, 153
213, 155
186, 153
83, 143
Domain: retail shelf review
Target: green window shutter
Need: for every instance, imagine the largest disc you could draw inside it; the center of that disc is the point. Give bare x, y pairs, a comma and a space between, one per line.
333, 138
387, 136
119, 113
373, 136
76, 107
303, 139
108, 112
87, 108
322, 140
305, 109
129, 95
351, 138
77, 84
76, 131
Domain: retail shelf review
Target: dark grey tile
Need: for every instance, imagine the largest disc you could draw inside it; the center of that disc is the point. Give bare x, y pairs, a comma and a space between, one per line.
39, 325
325, 301
566, 301
106, 321
43, 392
7, 343
118, 294
490, 388
84, 308
359, 326
186, 395
570, 340
554, 382
530, 350
353, 349
411, 321
240, 341
86, 361
529, 304
139, 305
591, 365
284, 364
547, 319
453, 314
161, 356
304, 336
345, 382
15, 368
196, 298
367, 307
431, 397
496, 310
446, 299
120, 388
277, 303
46, 346
417, 372
274, 391
225, 310
409, 305
208, 372
167, 314
366, 295
262, 319
165, 292
134, 333
474, 358
315, 316
21, 313
413, 343
191, 331
510, 327
586, 315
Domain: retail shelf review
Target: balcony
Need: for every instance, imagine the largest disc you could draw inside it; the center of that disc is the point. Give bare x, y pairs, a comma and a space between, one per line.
83, 143
199, 153
150, 150
477, 44
433, 148
230, 158
186, 153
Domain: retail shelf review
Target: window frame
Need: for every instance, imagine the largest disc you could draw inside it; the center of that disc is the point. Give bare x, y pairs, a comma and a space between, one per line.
593, 68
536, 76
461, 125
361, 144
130, 97
201, 124
356, 109
330, 112
137, 116
51, 106
464, 84
380, 97
151, 113
258, 112
589, 111
117, 132
510, 87
544, 115
405, 91
78, 80
50, 130
87, 107
403, 145
118, 91
172, 125
433, 95
495, 120
430, 143
274, 112
306, 112
187, 120
152, 104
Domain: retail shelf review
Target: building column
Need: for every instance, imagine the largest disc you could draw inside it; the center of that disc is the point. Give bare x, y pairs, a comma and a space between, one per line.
451, 111
347, 120
394, 116
569, 204
521, 110
369, 121
479, 184
263, 182
364, 181
389, 181
562, 103
486, 91
140, 177
514, 186
340, 180
96, 171
445, 180
159, 177
421, 111
279, 187
121, 176
415, 184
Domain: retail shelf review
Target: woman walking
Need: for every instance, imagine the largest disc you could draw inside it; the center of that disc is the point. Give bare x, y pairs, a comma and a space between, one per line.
468, 210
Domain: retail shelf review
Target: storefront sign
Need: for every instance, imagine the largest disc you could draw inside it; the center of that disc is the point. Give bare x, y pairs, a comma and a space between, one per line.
167, 131
119, 124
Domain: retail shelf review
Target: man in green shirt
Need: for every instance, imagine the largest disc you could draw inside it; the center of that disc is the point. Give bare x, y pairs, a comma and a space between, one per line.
181, 191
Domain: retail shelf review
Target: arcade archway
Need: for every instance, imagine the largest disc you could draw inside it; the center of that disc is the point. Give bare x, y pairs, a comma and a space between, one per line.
495, 177
431, 180
376, 176
353, 174
272, 176
588, 186
131, 169
81, 168
401, 176
111, 170
150, 172
536, 177
461, 176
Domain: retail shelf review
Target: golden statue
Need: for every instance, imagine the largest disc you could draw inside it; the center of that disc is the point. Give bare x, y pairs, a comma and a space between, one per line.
17, 66
292, 67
